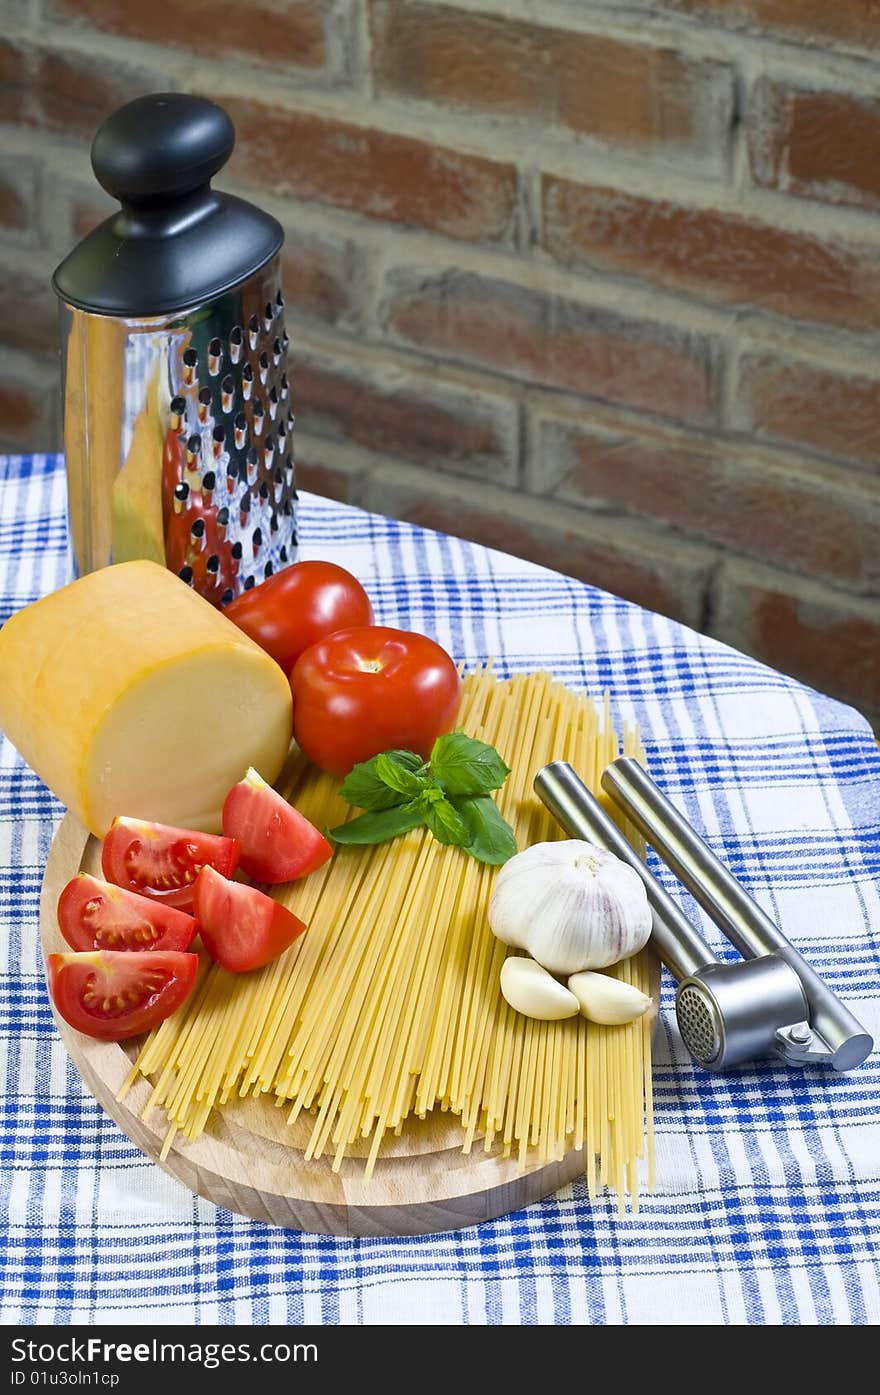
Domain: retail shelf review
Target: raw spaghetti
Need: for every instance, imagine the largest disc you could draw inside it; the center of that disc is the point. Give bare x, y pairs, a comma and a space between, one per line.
390, 1005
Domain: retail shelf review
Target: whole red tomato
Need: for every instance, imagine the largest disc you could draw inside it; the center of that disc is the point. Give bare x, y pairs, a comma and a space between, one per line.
298, 606
372, 689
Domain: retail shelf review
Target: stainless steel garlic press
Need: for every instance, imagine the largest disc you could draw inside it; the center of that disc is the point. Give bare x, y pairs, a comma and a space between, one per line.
769, 1002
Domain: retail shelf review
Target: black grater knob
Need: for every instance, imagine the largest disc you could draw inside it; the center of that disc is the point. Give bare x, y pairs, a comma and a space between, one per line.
161, 146
175, 242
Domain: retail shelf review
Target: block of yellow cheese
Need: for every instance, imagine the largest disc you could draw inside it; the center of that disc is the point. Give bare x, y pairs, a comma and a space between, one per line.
129, 694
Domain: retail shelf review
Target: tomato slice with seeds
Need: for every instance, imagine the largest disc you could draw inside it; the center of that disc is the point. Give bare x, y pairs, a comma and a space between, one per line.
157, 860
242, 928
278, 843
97, 915
113, 995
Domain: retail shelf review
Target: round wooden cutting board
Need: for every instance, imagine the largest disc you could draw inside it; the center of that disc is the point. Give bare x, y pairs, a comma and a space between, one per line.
250, 1160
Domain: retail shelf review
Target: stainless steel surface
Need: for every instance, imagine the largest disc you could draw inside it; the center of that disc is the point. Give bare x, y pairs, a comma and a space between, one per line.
179, 438
678, 944
837, 1037
730, 1013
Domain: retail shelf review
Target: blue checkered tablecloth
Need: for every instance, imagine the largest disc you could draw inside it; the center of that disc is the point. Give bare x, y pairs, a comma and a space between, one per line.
768, 1179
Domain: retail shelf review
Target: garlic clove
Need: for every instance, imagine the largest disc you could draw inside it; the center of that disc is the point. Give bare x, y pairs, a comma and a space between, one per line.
529, 989
608, 1000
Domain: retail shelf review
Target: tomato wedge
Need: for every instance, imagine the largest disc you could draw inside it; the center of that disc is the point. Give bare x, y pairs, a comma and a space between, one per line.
278, 844
114, 995
97, 915
162, 862
242, 928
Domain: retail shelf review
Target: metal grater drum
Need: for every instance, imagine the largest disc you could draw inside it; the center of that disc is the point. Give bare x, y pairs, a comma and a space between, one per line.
177, 414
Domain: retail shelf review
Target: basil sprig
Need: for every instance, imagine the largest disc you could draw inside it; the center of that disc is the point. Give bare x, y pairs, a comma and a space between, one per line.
450, 794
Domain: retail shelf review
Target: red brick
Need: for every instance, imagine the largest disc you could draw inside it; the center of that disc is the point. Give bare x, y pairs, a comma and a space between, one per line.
714, 256
413, 419
809, 521
68, 94
623, 94
825, 638
292, 33
27, 408
28, 310
375, 173
851, 23
835, 413
817, 145
320, 279
555, 342
636, 563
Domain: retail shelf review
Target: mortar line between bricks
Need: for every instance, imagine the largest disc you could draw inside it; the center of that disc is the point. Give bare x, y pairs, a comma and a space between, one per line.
550, 511
692, 34
457, 373
522, 445
728, 405
571, 160
824, 344
530, 217
828, 344
378, 362
582, 159
710, 597
361, 47
571, 156
740, 172
625, 295
542, 509
810, 589
568, 406
827, 348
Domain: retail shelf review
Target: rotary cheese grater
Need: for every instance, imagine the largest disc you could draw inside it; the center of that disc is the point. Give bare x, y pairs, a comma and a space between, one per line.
178, 427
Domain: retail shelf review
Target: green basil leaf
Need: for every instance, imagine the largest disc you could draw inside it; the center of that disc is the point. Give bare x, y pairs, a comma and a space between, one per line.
376, 826
465, 766
490, 836
393, 773
363, 787
445, 822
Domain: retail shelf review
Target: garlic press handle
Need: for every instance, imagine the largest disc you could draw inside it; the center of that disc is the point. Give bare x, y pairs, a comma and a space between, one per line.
681, 948
837, 1038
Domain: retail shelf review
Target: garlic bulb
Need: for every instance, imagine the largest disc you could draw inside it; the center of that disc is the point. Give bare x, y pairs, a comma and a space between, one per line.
532, 991
571, 905
608, 1000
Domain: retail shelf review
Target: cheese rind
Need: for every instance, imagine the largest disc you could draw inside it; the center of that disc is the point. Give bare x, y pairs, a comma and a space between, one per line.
129, 694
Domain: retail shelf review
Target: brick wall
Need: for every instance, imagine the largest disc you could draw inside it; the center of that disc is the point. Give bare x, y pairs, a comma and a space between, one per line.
597, 284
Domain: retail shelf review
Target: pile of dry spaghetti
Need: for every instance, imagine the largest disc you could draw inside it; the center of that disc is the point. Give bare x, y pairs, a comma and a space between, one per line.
390, 1005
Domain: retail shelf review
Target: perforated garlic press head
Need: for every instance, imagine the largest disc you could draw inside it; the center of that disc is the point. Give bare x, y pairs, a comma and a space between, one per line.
772, 1001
